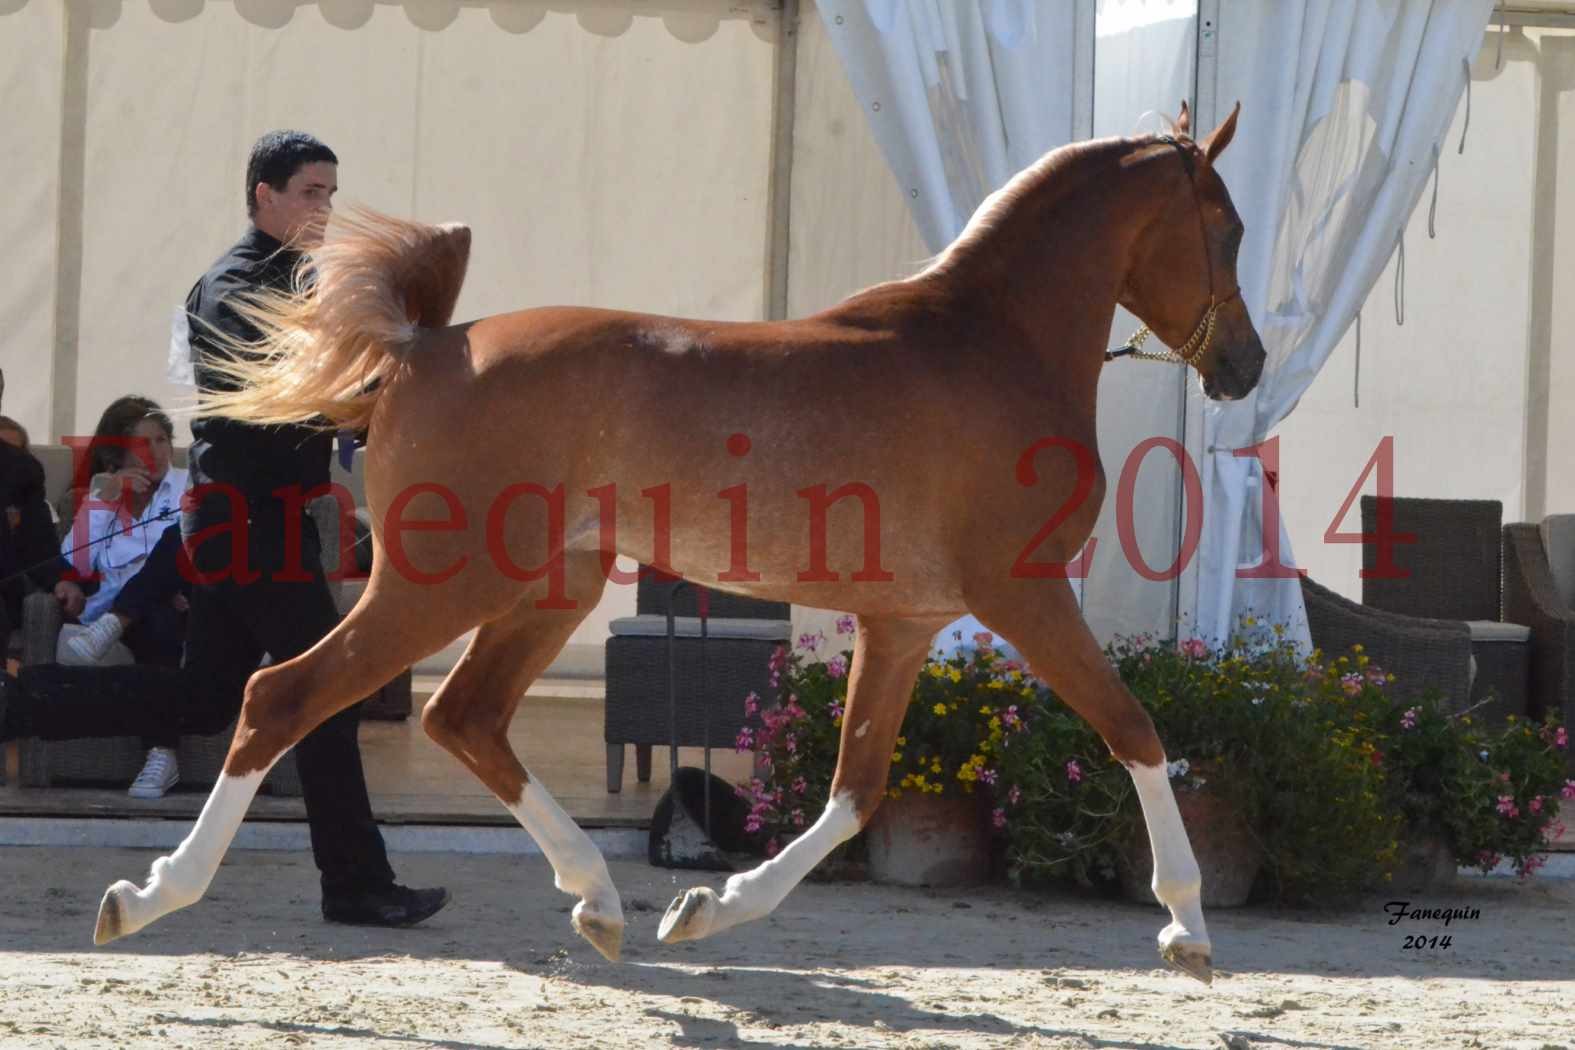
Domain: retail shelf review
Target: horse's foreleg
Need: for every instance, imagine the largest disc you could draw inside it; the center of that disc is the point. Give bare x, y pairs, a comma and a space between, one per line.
1049, 630
887, 656
282, 704
470, 715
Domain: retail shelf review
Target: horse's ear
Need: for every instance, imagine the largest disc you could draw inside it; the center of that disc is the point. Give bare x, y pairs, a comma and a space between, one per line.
1184, 122
1220, 137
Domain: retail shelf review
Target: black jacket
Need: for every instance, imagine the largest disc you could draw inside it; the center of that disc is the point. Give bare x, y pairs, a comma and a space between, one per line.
256, 459
32, 541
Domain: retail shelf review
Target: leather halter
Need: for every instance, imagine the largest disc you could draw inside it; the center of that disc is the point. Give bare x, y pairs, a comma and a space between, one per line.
1203, 333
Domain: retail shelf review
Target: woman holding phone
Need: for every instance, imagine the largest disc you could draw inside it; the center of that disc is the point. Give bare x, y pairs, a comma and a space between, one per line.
133, 496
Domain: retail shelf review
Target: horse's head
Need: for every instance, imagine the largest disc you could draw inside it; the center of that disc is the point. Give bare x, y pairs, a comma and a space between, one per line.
1182, 283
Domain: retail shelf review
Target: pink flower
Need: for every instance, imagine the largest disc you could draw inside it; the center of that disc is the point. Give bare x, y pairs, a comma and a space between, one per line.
1074, 772
845, 625
835, 707
1194, 648
1010, 666
800, 786
1553, 832
792, 744
1507, 808
1486, 859
753, 824
1351, 683
1532, 863
1561, 738
778, 658
983, 639
998, 818
1535, 805
1408, 720
809, 642
776, 680
988, 776
836, 667
798, 818
1503, 778
772, 848
751, 705
1568, 791
1014, 796
1009, 717
746, 739
1376, 675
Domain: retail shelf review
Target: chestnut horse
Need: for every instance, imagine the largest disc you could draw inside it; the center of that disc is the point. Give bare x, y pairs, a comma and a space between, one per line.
953, 404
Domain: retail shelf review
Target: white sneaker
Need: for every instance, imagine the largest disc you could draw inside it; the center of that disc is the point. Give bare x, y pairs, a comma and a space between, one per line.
89, 646
159, 774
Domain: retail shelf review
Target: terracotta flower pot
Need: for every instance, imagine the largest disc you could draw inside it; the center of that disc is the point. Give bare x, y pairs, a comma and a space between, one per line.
1426, 862
1223, 844
928, 840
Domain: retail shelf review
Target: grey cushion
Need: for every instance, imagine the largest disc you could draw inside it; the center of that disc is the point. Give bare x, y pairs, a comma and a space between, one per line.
689, 627
1558, 539
1493, 631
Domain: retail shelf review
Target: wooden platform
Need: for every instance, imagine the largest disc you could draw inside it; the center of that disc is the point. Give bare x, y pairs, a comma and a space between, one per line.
412, 781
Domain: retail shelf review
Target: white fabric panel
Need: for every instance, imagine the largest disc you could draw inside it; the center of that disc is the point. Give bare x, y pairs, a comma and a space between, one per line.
1450, 384
31, 49
1554, 271
1143, 68
1344, 102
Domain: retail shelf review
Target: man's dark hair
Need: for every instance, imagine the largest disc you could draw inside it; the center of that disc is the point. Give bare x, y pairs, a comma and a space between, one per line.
279, 155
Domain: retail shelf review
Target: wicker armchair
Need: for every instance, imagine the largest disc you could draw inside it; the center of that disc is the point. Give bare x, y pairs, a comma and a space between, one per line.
1453, 569
1539, 590
742, 632
1423, 654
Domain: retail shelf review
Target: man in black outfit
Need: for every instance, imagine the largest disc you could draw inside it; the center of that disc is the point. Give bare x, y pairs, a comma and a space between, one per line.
241, 610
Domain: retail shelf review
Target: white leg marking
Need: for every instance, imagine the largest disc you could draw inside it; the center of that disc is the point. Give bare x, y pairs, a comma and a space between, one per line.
1177, 881
182, 877
756, 894
578, 867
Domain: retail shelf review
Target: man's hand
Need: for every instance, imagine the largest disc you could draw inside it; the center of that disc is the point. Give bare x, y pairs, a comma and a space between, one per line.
72, 600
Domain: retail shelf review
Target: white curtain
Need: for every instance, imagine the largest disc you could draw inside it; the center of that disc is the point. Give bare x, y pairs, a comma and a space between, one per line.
960, 96
1344, 108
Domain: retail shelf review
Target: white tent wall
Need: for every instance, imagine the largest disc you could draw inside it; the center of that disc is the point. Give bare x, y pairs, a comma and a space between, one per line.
573, 154
1486, 349
31, 62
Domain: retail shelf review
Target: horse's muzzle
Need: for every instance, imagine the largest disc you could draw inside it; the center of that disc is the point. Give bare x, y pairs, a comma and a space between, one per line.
1237, 372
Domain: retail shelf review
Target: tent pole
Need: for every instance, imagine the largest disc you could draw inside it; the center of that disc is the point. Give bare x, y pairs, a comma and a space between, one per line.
779, 193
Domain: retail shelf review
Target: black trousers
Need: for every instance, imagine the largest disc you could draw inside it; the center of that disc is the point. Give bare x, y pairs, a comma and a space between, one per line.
231, 626
157, 633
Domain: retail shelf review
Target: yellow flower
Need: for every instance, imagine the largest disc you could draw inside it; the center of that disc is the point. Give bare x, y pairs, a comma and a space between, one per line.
936, 670
939, 709
896, 756
935, 767
1016, 676
902, 741
893, 793
995, 723
956, 675
1356, 648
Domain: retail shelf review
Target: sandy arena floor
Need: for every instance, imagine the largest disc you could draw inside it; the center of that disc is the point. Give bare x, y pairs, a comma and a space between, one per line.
839, 965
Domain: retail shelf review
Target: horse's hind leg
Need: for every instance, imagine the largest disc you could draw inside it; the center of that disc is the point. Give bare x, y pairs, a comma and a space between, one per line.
1049, 630
887, 656
282, 704
469, 716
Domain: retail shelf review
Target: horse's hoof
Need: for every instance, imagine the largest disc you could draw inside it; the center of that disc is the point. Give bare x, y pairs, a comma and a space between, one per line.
605, 935
688, 918
112, 924
1190, 960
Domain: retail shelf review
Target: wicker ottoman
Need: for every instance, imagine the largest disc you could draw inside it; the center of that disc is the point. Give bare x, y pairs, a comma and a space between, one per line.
737, 663
1502, 654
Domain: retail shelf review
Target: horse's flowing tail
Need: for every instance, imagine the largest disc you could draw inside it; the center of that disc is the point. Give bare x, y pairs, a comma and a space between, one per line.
329, 348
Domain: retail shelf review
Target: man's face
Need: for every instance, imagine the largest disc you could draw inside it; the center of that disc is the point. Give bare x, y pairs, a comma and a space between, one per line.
298, 214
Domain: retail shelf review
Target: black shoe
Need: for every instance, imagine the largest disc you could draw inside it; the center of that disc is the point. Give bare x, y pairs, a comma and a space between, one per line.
395, 906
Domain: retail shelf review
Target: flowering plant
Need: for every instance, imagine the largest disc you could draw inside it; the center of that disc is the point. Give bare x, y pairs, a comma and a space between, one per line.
965, 711
1293, 748
1492, 791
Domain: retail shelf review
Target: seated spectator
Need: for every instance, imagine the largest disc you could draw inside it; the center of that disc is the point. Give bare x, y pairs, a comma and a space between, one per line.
139, 610
28, 555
